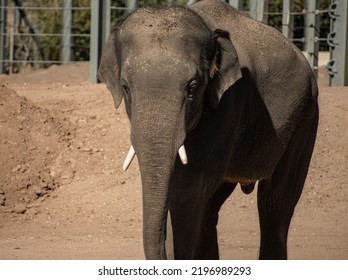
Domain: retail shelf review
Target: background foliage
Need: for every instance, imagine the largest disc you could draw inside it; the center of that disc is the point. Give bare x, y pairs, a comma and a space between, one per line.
50, 21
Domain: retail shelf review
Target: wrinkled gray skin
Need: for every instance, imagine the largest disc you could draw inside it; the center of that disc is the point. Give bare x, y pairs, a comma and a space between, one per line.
241, 98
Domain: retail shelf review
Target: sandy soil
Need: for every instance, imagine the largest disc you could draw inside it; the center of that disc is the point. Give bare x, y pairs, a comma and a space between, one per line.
63, 194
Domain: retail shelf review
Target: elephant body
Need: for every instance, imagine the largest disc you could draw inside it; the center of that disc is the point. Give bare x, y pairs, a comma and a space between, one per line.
237, 95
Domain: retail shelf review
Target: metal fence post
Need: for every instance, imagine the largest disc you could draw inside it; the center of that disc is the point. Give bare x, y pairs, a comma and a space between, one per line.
312, 34
190, 2
338, 42
288, 19
16, 21
238, 4
3, 19
66, 56
170, 3
132, 5
259, 10
100, 30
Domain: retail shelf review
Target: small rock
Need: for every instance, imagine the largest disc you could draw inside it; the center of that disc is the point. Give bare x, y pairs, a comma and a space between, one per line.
37, 190
79, 145
43, 184
56, 169
42, 198
2, 199
66, 175
16, 168
21, 118
33, 205
19, 208
22, 169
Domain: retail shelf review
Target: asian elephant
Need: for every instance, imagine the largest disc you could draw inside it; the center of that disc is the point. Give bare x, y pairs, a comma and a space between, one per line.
214, 99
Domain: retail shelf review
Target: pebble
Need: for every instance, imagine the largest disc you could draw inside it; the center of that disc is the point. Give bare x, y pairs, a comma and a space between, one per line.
43, 184
37, 190
2, 199
53, 174
19, 168
19, 208
16, 168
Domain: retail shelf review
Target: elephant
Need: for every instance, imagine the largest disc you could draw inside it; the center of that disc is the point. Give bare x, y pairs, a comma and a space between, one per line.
215, 99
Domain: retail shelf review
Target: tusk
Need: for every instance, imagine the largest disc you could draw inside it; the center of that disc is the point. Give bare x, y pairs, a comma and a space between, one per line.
182, 155
129, 158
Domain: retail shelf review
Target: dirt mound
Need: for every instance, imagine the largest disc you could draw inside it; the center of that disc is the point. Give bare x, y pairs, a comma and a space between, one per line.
30, 138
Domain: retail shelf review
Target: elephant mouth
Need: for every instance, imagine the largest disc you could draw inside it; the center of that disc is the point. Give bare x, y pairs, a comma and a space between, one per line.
131, 154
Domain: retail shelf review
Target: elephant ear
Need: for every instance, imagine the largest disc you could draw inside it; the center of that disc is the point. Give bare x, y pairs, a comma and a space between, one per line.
225, 69
108, 71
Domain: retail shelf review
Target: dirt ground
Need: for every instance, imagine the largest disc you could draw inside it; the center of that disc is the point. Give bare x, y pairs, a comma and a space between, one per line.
63, 194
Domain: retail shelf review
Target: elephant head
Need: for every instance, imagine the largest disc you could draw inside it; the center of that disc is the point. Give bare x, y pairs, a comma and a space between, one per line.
168, 66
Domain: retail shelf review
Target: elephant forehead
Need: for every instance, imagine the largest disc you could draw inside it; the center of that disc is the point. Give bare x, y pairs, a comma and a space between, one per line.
176, 19
157, 40
144, 39
143, 51
159, 63
164, 28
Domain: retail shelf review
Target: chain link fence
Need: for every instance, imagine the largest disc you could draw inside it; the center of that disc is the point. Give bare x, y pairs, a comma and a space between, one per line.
40, 33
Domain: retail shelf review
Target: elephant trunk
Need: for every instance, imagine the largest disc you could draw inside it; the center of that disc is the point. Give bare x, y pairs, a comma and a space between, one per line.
155, 181
156, 141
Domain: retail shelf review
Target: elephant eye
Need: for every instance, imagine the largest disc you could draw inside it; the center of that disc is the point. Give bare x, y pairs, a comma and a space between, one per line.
126, 91
191, 89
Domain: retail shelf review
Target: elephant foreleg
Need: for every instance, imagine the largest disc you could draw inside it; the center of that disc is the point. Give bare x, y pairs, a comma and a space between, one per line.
207, 247
194, 219
185, 206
